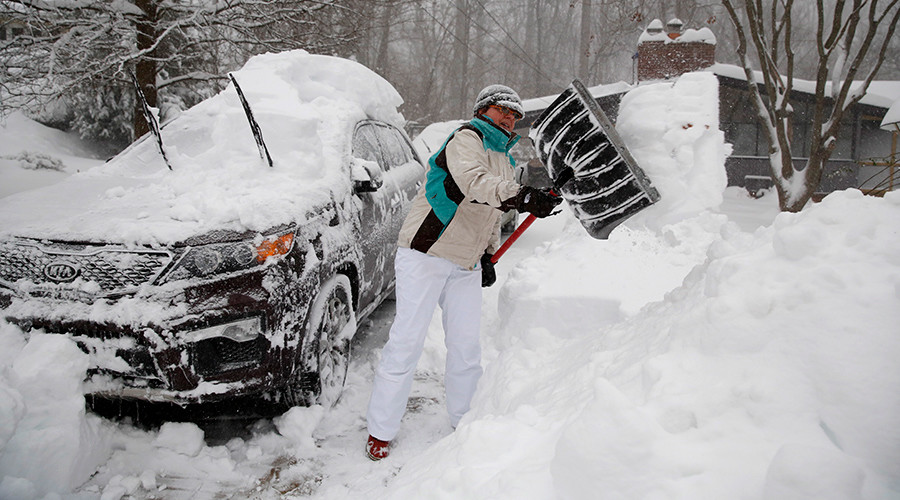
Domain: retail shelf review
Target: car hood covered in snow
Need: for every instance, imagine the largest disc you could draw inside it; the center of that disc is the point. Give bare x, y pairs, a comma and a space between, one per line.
306, 106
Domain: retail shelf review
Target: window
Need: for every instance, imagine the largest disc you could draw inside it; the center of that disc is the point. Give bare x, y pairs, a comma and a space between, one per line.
744, 138
365, 144
800, 138
844, 148
396, 150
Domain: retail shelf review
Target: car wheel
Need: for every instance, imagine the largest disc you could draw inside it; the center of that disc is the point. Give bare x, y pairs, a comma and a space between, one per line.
325, 353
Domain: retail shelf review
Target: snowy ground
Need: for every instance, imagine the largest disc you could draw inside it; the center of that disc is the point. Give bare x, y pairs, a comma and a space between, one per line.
32, 155
711, 348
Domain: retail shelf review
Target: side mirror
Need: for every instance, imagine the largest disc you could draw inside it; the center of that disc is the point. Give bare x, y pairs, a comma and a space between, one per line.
366, 176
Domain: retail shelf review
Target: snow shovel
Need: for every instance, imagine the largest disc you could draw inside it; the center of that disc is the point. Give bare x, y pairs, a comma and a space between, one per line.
589, 165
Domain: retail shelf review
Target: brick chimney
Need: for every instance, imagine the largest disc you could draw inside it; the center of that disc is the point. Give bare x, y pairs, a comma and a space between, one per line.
668, 52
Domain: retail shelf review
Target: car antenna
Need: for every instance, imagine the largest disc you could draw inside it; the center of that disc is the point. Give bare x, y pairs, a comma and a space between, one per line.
151, 120
254, 127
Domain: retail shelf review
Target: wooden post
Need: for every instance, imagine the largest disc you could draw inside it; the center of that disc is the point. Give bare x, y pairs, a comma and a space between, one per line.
894, 155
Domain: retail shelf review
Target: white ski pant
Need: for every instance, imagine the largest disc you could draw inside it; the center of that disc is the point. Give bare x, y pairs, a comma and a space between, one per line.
423, 282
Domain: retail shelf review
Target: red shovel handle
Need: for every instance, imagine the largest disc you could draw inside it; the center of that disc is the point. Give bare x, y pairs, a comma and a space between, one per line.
513, 237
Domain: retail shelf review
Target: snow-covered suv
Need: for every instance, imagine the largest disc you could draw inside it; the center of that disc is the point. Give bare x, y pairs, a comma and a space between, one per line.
232, 253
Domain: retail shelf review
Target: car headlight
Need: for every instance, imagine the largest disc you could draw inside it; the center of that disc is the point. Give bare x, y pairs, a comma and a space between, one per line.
218, 258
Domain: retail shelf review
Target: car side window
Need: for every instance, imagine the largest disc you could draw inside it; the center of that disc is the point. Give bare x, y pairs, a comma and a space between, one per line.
396, 150
365, 144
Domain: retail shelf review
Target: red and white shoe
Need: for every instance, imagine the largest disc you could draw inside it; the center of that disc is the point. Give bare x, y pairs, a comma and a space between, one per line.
377, 449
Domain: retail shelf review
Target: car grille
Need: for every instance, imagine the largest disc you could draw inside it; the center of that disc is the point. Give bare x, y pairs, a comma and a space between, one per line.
218, 354
52, 266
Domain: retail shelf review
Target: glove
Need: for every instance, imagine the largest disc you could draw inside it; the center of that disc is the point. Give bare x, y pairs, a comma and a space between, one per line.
488, 274
538, 202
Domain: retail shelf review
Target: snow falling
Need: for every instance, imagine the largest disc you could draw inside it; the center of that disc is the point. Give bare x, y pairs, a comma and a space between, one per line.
710, 348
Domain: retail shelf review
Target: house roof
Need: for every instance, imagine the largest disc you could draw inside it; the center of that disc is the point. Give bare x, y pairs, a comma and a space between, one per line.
891, 119
881, 93
542, 103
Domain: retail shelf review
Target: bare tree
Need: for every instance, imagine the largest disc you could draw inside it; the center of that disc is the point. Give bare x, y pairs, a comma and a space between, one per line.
851, 42
584, 52
70, 48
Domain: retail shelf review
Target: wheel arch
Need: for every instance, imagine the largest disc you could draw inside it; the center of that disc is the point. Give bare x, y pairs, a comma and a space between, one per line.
350, 270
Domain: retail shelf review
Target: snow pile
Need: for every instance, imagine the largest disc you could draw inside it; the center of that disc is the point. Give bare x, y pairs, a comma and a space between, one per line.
33, 155
770, 372
306, 106
681, 149
47, 441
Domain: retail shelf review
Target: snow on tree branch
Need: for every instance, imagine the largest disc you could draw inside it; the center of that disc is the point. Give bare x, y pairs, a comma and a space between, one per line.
858, 35
72, 49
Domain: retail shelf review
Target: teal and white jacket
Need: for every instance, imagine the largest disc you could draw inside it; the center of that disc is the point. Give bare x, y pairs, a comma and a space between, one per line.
456, 214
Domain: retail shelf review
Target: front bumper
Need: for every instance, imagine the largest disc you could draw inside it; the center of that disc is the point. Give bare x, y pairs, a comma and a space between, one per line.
203, 343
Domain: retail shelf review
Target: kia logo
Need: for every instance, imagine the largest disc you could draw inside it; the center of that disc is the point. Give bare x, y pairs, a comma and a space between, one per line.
60, 272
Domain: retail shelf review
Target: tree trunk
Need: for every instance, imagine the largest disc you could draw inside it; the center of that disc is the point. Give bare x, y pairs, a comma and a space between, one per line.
462, 57
584, 54
145, 68
384, 38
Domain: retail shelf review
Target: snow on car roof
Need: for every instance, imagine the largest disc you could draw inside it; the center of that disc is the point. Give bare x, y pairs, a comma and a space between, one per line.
306, 106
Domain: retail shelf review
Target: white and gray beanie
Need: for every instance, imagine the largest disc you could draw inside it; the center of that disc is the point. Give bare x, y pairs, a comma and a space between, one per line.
500, 95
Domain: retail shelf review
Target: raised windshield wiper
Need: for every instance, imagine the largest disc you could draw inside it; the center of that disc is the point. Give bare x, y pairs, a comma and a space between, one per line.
151, 120
254, 127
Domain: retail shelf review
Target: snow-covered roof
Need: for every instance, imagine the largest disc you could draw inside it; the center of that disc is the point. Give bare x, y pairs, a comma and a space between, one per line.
541, 103
881, 93
891, 119
305, 105
655, 33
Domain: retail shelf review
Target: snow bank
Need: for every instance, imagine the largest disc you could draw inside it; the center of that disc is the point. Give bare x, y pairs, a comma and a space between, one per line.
771, 371
306, 106
47, 441
763, 366
33, 155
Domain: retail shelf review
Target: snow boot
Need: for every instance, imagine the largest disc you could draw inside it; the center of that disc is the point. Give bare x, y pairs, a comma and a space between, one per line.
377, 449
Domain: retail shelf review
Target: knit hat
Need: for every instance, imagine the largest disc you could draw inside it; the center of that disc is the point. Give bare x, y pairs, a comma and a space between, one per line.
500, 95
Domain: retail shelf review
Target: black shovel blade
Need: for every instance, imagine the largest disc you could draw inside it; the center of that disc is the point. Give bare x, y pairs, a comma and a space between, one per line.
588, 162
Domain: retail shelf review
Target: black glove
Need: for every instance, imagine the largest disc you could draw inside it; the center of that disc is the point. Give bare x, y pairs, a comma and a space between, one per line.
538, 202
488, 275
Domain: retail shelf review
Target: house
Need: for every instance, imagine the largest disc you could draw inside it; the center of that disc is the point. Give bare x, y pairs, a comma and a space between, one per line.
866, 153
883, 169
10, 28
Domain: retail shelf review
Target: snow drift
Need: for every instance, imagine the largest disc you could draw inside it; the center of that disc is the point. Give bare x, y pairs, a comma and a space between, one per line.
767, 372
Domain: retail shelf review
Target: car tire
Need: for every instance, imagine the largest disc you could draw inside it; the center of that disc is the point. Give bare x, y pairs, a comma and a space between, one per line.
325, 353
